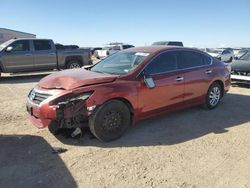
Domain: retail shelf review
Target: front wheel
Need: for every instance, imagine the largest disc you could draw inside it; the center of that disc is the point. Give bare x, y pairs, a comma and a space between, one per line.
110, 120
73, 64
214, 95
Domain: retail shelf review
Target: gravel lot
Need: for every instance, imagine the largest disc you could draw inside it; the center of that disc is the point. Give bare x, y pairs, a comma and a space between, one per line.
189, 148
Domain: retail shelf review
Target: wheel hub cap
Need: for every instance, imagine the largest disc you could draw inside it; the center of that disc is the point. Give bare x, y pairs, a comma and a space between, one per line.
214, 96
112, 121
74, 66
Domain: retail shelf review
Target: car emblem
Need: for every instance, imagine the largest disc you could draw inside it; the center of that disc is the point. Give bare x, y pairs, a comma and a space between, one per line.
32, 95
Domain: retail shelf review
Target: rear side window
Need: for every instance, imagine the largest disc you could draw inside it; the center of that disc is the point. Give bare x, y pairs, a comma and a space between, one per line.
191, 59
20, 46
165, 62
207, 60
42, 45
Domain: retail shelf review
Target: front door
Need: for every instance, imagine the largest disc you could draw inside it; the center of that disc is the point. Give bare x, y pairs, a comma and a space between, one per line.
169, 84
20, 58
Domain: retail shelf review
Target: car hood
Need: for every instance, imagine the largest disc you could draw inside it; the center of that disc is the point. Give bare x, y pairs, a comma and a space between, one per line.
74, 78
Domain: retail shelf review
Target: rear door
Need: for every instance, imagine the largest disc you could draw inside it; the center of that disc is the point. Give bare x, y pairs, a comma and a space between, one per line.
20, 58
168, 80
198, 73
45, 57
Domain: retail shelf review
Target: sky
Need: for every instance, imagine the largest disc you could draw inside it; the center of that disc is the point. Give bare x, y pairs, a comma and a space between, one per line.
197, 23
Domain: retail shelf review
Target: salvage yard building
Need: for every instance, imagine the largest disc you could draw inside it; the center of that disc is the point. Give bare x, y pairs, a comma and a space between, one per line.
7, 34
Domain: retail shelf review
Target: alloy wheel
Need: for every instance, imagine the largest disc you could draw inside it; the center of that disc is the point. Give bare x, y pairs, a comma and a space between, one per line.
214, 96
74, 66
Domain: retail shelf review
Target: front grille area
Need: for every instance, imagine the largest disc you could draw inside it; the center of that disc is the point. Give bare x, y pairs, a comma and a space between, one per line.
37, 97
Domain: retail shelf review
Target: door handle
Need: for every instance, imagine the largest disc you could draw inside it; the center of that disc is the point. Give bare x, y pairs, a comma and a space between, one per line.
28, 54
179, 79
208, 71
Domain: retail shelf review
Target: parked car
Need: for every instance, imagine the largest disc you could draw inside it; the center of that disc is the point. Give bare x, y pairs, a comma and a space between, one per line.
168, 43
241, 69
242, 65
126, 87
225, 55
27, 55
110, 49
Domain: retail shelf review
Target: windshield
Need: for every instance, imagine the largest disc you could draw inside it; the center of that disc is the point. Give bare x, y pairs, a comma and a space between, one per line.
243, 51
246, 56
3, 45
120, 63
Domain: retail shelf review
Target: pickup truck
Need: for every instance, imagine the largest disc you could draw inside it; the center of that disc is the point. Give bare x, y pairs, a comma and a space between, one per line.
111, 49
27, 55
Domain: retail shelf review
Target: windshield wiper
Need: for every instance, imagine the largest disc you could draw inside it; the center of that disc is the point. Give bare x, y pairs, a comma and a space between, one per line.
99, 71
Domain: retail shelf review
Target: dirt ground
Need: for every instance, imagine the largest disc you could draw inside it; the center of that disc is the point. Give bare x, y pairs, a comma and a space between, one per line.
189, 148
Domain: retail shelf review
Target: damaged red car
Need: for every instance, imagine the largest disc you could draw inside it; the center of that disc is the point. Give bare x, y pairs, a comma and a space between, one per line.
126, 87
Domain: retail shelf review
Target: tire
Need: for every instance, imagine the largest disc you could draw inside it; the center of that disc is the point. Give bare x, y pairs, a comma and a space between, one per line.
230, 60
110, 120
54, 128
73, 64
213, 96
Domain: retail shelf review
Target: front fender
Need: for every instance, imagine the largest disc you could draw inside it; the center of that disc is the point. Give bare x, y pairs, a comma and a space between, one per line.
112, 91
115, 90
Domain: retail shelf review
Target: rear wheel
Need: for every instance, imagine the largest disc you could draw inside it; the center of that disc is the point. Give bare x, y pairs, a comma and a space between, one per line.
214, 95
110, 121
73, 64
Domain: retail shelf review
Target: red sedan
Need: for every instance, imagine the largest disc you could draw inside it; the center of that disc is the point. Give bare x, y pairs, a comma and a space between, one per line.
126, 87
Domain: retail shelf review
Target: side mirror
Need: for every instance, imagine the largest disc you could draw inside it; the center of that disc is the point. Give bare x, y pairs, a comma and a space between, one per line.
9, 49
149, 82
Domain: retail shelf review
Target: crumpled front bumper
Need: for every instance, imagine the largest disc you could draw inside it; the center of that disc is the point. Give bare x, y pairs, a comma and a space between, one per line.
40, 116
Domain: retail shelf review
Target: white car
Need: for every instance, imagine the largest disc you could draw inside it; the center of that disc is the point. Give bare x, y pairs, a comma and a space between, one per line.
221, 54
111, 49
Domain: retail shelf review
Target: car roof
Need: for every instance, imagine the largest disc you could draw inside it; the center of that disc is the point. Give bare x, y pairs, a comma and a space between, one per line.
154, 49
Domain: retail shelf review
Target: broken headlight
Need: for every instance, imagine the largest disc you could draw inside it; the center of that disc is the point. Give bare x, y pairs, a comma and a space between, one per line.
72, 98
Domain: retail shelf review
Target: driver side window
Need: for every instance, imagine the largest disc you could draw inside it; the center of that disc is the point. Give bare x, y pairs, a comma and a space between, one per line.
225, 52
165, 62
20, 46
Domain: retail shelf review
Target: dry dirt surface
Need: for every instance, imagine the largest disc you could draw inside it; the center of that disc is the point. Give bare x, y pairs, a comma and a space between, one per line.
189, 148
